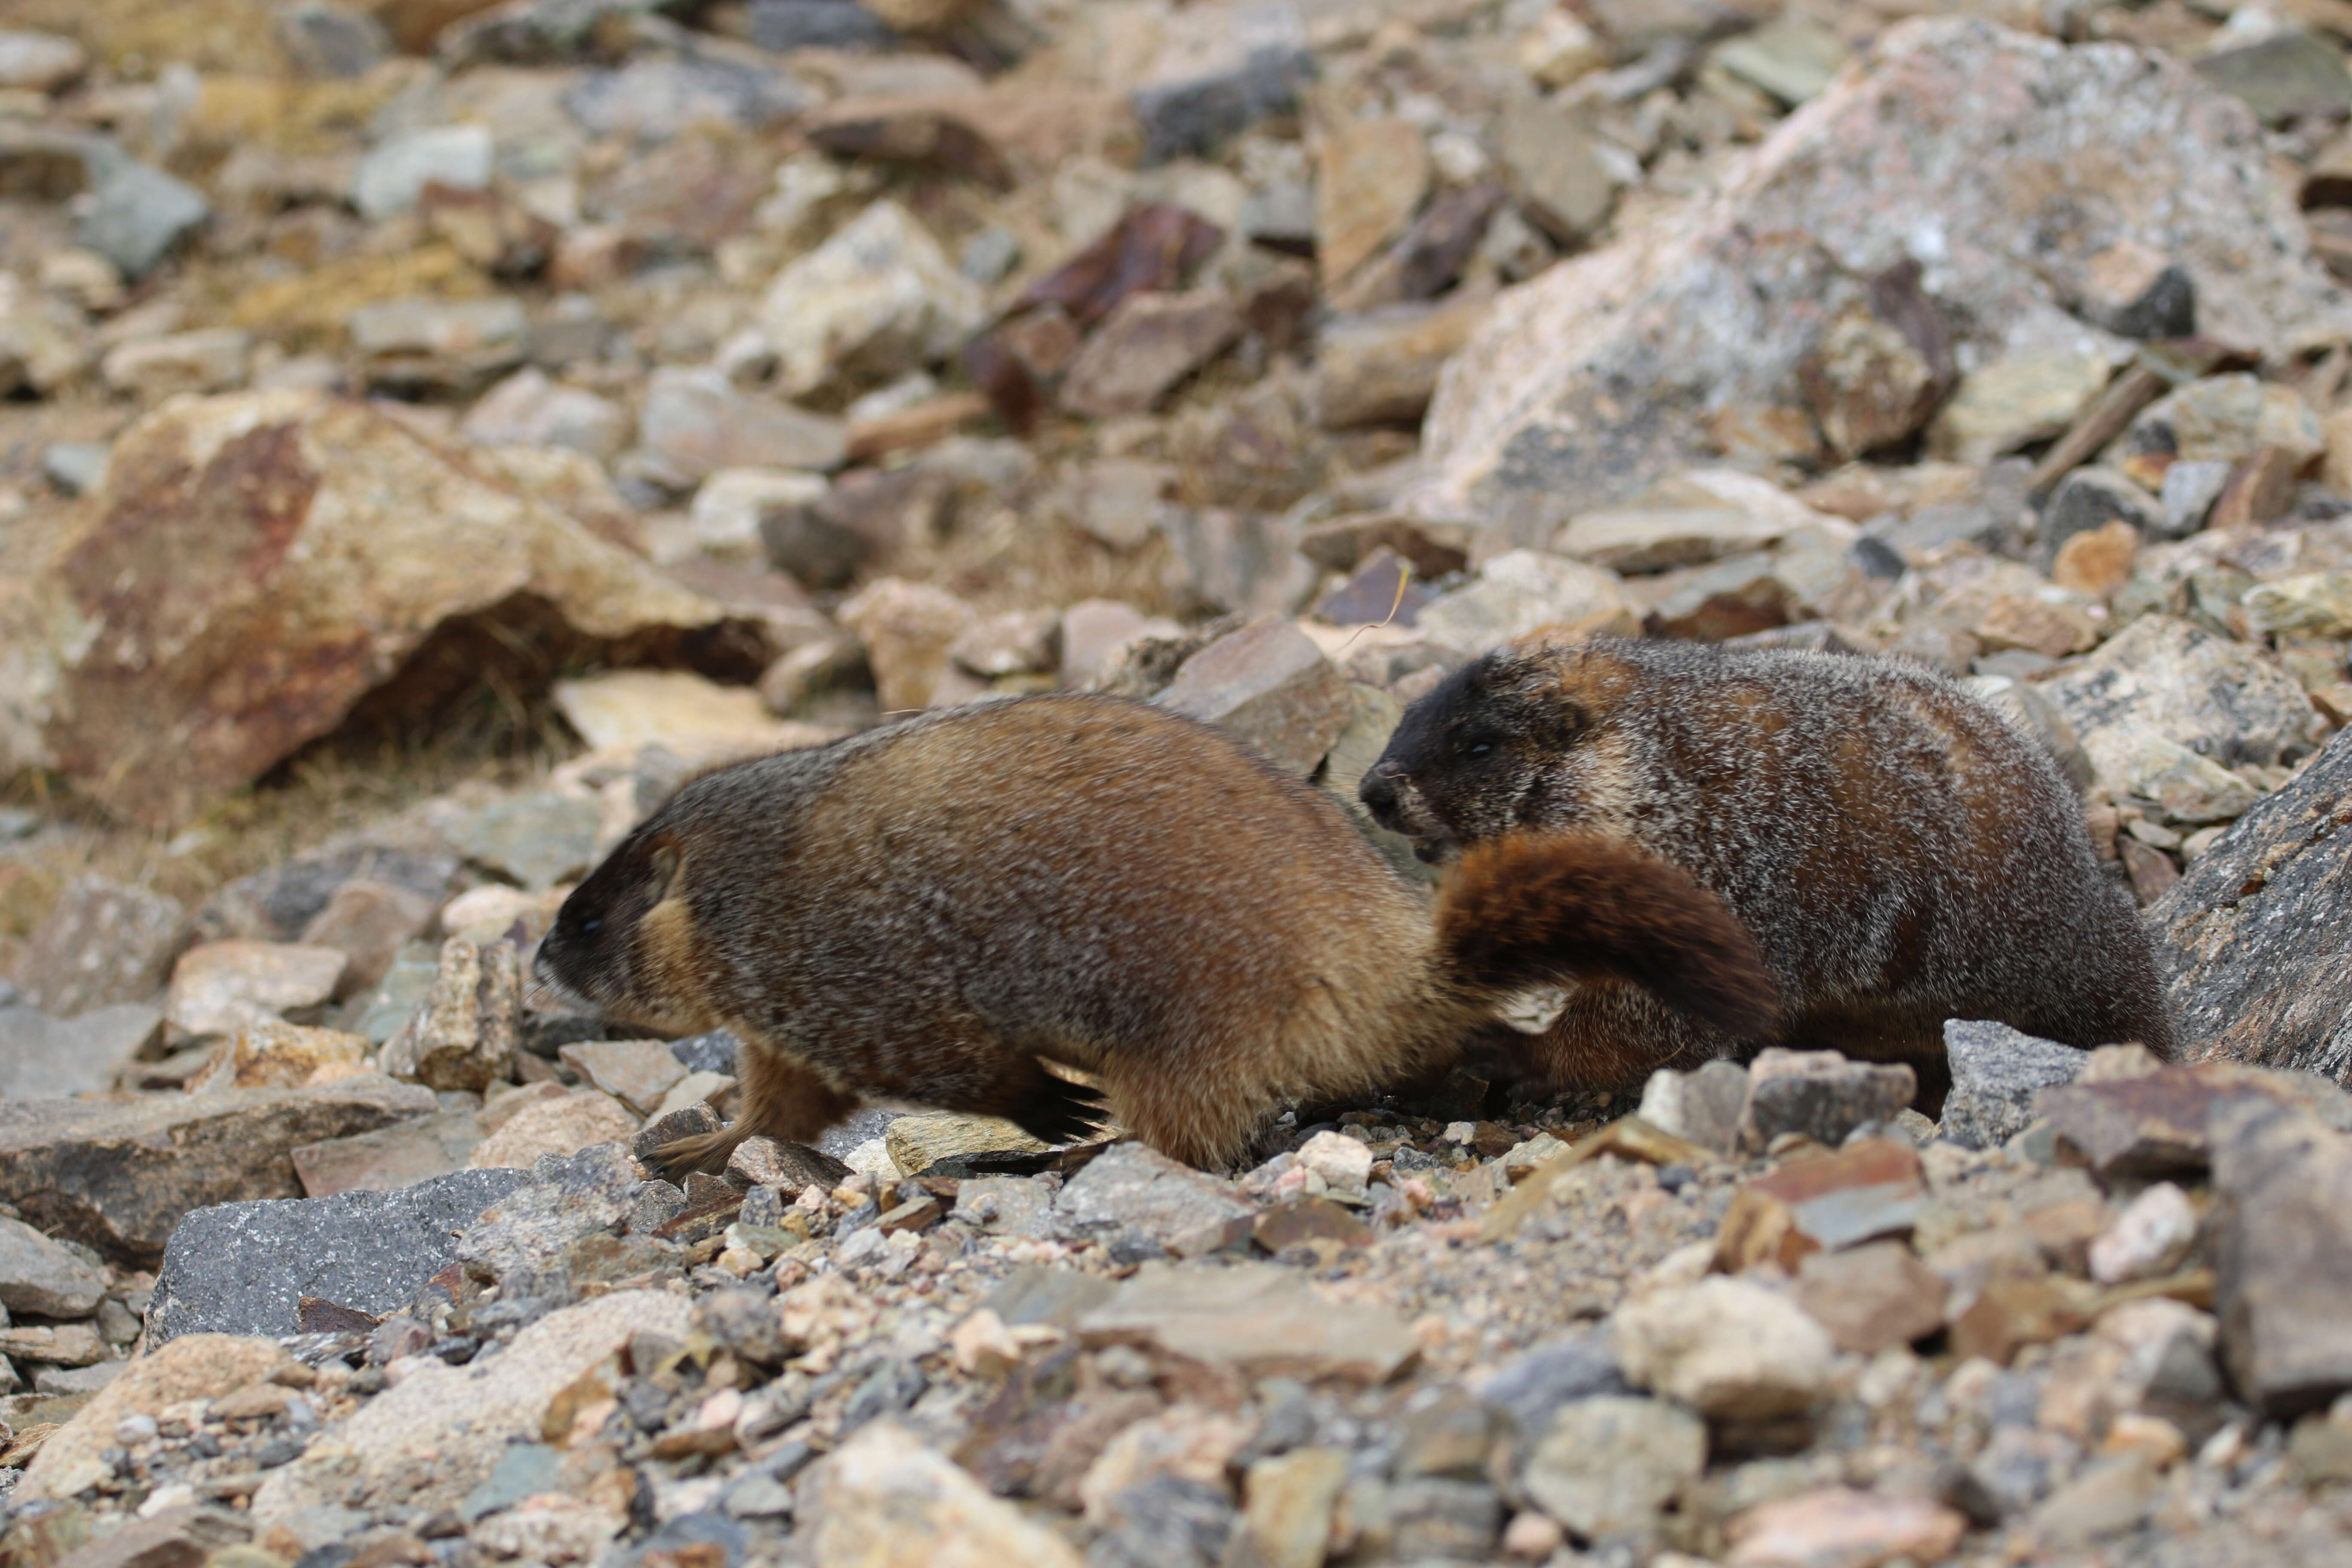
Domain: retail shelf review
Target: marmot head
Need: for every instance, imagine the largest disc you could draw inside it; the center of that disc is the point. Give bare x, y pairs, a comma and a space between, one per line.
1482, 754
614, 942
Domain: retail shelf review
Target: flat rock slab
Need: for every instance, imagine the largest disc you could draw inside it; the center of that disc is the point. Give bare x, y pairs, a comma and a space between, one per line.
389, 1157
1269, 685
1134, 1187
242, 1269
43, 1276
2252, 941
119, 1177
444, 1428
2283, 1255
2161, 1124
1260, 1318
46, 1058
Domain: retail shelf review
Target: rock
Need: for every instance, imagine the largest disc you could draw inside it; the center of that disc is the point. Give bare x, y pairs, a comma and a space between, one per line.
1703, 1106
2090, 497
2158, 1123
878, 299
521, 1239
118, 1177
780, 1163
538, 839
390, 1158
1839, 1526
1269, 686
1562, 184
1793, 61
1996, 1073
1380, 367
337, 539
443, 1428
888, 1499
2164, 686
1220, 68
324, 40
2243, 940
2278, 1231
221, 986
463, 1034
1533, 422
44, 1277
908, 629
270, 1053
527, 409
1869, 1188
695, 422
151, 369
1731, 1349
2312, 603
102, 942
1131, 1188
1872, 1298
396, 170
241, 1267
1606, 1466
2014, 401
1145, 348
2291, 73
369, 922
654, 99
41, 1056
580, 1120
422, 345
1343, 1164
1287, 1505
40, 62
1370, 174
136, 213
917, 1143
857, 525
2150, 1238
1244, 563
1819, 1094
1517, 593
2221, 418
1257, 1318
43, 343
201, 1366
1649, 539
636, 1072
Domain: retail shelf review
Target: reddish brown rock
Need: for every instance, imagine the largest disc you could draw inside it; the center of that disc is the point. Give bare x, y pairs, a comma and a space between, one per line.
259, 564
1145, 348
1874, 1296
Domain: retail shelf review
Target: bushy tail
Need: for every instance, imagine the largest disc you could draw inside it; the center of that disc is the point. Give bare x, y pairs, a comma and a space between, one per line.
1542, 909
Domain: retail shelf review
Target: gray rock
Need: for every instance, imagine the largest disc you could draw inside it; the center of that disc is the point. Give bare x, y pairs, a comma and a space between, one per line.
418, 345
43, 1276
519, 1240
1167, 1521
2224, 418
538, 839
242, 1269
695, 423
1516, 592
653, 97
1132, 1188
137, 214
2190, 488
1443, 1519
119, 1177
102, 942
328, 41
41, 1056
1269, 685
817, 25
2283, 1255
1244, 563
2250, 941
1606, 1466
1819, 1094
396, 170
787, 1166
1221, 67
76, 468
463, 1034
1560, 180
713, 1052
1996, 1072
1007, 1206
1702, 1107
1685, 337
1534, 1385
861, 1126
2289, 73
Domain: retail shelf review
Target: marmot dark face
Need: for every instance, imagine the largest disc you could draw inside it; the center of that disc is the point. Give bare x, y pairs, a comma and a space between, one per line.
1492, 746
602, 936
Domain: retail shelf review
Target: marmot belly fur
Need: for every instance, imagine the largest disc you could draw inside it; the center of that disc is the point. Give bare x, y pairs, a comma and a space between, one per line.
1902, 855
933, 910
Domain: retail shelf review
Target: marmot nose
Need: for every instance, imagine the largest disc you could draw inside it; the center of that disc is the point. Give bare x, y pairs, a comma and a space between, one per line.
1379, 792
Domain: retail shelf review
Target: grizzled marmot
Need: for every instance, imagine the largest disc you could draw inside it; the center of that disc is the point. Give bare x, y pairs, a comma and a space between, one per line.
934, 911
1902, 855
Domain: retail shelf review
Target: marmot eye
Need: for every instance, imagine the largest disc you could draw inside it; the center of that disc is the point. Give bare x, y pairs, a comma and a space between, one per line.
1480, 748
592, 925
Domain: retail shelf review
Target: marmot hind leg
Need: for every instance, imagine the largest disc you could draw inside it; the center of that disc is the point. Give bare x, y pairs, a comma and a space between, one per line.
1616, 1037
777, 1096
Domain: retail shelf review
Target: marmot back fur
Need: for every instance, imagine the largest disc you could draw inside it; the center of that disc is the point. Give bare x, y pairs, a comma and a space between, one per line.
933, 910
1902, 855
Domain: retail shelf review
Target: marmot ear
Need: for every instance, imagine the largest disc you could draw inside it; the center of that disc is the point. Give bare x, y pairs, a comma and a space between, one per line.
665, 860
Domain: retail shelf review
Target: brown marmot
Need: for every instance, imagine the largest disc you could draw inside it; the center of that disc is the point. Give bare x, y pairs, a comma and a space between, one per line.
1901, 853
933, 910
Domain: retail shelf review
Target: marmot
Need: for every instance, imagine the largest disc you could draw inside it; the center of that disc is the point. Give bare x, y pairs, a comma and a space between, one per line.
1902, 855
933, 910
